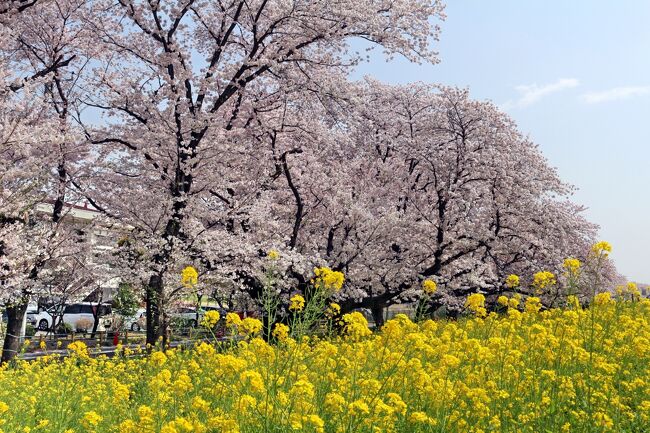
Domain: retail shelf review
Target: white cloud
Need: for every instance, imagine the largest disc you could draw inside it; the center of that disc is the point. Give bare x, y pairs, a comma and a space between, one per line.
615, 94
532, 93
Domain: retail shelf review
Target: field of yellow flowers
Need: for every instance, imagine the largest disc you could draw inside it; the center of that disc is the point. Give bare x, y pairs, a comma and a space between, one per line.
525, 370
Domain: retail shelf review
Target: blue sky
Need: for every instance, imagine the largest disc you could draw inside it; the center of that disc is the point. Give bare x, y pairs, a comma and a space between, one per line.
575, 76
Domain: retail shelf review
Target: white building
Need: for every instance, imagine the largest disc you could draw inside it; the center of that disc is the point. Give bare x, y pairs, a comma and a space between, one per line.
101, 237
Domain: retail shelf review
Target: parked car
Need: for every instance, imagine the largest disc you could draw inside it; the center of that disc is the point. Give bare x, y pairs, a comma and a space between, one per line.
138, 321
186, 316
32, 310
73, 315
39, 319
222, 311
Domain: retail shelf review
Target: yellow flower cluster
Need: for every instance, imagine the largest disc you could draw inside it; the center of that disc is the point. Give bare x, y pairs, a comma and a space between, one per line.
91, 420
557, 370
250, 326
512, 281
573, 302
79, 348
210, 319
603, 298
602, 248
533, 304
476, 304
543, 280
232, 320
629, 291
512, 302
571, 265
247, 327
297, 303
330, 279
280, 332
189, 277
333, 310
429, 287
355, 325
273, 255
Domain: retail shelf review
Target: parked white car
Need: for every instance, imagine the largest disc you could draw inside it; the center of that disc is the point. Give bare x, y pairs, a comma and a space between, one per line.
186, 316
73, 315
181, 317
117, 322
138, 321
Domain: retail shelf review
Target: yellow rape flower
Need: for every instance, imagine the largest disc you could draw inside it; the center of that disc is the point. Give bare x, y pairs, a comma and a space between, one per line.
315, 422
359, 407
476, 303
421, 418
603, 420
602, 248
189, 277
250, 326
232, 320
297, 303
334, 402
158, 358
396, 402
78, 348
543, 279
223, 424
573, 302
429, 287
513, 302
355, 325
333, 310
533, 304
328, 278
470, 375
571, 265
512, 281
280, 332
91, 419
210, 319
603, 298
630, 291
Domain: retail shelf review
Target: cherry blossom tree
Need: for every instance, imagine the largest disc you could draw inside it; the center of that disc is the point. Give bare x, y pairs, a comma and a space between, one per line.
43, 48
401, 183
481, 199
210, 132
16, 6
180, 83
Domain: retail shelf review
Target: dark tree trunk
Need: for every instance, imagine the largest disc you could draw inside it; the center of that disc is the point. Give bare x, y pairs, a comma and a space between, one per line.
384, 300
95, 324
198, 308
378, 315
57, 322
15, 317
96, 315
156, 327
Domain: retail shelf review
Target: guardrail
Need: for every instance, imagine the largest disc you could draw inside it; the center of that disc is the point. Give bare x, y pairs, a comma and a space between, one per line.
110, 351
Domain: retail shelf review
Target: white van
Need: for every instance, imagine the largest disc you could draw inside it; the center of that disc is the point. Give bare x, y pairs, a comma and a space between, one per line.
74, 315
